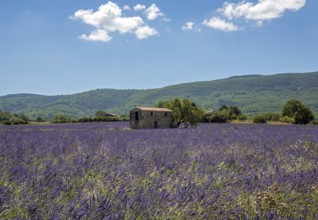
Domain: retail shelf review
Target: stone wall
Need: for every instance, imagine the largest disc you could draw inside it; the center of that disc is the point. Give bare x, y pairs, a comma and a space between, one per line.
140, 118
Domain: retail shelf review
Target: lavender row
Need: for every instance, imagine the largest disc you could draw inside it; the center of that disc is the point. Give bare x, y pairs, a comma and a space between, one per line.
108, 171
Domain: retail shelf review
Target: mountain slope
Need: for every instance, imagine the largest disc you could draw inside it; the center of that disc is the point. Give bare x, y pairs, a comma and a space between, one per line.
254, 94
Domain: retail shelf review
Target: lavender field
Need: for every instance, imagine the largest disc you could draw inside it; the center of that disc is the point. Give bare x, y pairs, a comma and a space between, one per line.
108, 171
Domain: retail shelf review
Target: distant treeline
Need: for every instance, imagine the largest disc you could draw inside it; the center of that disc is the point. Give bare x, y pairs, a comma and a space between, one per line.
15, 119
100, 116
7, 118
185, 112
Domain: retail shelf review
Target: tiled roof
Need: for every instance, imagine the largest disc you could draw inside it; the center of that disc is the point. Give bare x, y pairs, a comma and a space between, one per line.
154, 109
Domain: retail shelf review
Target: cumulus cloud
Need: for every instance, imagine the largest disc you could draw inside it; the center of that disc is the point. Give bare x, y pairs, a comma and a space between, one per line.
263, 10
126, 8
139, 7
153, 12
145, 32
218, 23
109, 18
188, 26
97, 35
259, 12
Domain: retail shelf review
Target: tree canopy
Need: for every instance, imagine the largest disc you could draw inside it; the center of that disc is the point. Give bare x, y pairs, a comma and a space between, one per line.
16, 119
184, 111
224, 114
298, 111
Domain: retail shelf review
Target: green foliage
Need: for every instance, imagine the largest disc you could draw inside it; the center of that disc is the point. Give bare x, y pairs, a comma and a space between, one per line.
298, 111
39, 119
17, 121
215, 117
266, 117
184, 112
242, 117
259, 119
314, 122
60, 118
162, 104
287, 119
224, 114
8, 119
103, 117
269, 116
22, 117
231, 113
4, 116
86, 119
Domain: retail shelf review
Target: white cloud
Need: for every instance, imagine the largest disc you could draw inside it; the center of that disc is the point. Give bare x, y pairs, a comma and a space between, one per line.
188, 26
145, 32
153, 12
97, 35
166, 19
218, 23
246, 11
139, 7
108, 18
261, 11
126, 8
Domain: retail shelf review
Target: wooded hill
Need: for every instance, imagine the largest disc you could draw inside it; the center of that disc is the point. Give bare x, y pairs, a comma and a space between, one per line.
253, 94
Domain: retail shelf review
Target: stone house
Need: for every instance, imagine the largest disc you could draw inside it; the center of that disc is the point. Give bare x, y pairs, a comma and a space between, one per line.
147, 117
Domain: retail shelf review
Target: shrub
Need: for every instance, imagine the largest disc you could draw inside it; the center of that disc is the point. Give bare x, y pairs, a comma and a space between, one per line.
217, 117
224, 114
7, 122
18, 121
259, 119
271, 116
39, 119
287, 119
60, 118
85, 119
242, 117
314, 122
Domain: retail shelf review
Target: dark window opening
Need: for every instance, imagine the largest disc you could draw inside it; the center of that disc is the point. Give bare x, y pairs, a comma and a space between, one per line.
166, 114
151, 113
156, 124
136, 116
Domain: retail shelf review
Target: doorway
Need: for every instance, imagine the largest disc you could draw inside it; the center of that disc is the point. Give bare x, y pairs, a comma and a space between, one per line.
136, 116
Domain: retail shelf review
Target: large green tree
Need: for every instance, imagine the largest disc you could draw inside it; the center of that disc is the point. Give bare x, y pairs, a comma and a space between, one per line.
184, 111
298, 111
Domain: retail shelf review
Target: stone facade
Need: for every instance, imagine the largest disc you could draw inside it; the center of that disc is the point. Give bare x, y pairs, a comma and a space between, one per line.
145, 117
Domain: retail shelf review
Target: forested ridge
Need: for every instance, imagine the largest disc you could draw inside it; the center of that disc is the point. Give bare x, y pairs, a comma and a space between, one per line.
253, 94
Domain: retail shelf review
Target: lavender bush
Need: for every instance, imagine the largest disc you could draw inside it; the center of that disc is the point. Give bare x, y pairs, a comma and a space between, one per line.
107, 171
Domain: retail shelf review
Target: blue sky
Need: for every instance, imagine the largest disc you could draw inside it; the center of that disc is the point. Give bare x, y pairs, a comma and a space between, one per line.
69, 46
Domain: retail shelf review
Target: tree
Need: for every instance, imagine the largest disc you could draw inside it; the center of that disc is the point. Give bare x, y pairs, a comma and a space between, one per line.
5, 116
298, 111
231, 113
22, 116
183, 111
8, 119
215, 117
60, 118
